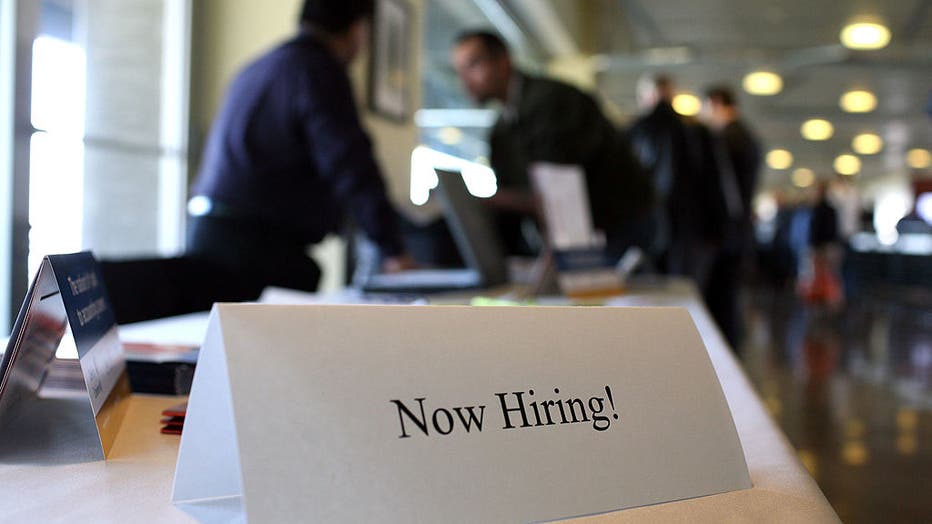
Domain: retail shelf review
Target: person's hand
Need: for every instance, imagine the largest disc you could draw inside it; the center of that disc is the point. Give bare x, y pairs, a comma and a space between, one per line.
398, 263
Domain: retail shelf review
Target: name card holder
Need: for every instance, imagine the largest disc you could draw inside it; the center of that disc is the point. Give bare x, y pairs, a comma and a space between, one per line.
587, 273
451, 414
67, 298
584, 271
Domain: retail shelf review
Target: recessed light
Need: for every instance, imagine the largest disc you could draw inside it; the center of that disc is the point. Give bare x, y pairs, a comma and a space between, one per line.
817, 129
847, 165
867, 144
865, 36
779, 159
919, 158
858, 101
763, 83
803, 177
687, 104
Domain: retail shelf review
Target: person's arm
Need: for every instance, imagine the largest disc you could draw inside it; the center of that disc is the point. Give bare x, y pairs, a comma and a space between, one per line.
514, 193
344, 158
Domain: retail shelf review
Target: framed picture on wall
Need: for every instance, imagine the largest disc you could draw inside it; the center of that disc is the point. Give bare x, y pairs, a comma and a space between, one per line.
389, 59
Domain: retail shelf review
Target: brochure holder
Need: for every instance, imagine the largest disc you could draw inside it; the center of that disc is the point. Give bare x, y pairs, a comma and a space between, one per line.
67, 298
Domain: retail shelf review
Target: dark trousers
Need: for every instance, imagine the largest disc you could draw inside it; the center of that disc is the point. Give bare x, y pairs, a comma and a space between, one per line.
259, 254
721, 295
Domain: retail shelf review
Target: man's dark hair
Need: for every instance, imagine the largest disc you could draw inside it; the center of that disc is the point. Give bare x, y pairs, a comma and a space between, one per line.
722, 95
662, 81
335, 16
492, 43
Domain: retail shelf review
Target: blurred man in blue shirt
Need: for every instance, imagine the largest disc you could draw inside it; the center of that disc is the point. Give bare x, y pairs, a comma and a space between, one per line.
287, 157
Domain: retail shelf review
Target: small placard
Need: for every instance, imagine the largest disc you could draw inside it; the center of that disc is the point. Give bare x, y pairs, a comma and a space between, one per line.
451, 414
66, 298
583, 267
562, 189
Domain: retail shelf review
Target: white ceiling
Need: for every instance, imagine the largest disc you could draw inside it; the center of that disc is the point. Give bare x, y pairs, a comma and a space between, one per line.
724, 39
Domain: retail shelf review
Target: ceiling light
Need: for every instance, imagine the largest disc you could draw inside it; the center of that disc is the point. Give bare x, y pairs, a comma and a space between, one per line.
779, 159
686, 104
858, 101
867, 144
817, 129
803, 177
919, 158
865, 36
763, 83
847, 165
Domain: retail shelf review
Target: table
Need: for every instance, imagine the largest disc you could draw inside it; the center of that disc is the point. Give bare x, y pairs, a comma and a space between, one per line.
135, 484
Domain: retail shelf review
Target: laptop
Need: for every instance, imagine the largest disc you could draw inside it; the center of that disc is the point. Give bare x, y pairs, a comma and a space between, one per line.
476, 239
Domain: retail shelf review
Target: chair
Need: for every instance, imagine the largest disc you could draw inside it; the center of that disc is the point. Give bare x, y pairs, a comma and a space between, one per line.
149, 288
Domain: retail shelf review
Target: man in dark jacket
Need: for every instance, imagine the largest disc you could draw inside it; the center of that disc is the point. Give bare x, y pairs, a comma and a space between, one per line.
739, 158
287, 156
548, 121
675, 153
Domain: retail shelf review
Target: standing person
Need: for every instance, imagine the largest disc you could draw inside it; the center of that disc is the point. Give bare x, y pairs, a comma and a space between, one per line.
287, 157
824, 283
548, 121
738, 155
672, 150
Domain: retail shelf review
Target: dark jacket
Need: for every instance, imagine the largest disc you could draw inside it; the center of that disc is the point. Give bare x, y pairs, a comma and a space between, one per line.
742, 152
287, 149
677, 154
660, 142
823, 225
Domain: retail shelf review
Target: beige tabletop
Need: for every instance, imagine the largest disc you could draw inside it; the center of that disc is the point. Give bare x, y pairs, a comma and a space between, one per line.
134, 485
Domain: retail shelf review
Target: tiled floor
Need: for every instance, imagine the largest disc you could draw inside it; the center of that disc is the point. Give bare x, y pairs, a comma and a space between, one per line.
852, 390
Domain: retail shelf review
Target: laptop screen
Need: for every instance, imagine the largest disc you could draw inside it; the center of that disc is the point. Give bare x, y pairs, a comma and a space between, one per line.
472, 228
